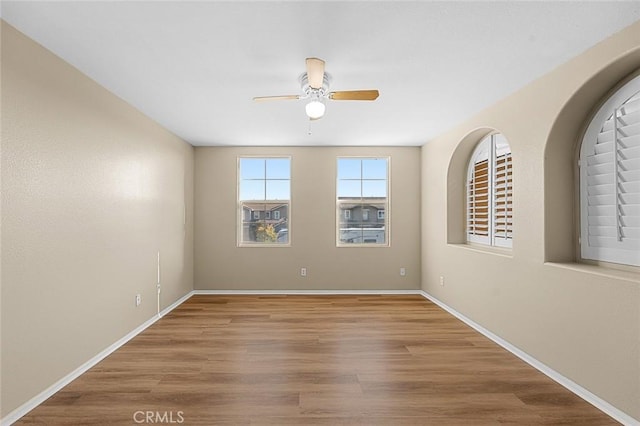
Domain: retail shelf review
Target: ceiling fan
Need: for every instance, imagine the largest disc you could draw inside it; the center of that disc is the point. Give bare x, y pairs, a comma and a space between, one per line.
315, 87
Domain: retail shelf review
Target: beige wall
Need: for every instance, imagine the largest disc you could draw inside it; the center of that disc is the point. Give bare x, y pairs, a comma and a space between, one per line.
583, 321
220, 264
91, 190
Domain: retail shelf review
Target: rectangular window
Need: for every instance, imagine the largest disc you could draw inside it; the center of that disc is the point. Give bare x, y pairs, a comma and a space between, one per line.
362, 186
264, 185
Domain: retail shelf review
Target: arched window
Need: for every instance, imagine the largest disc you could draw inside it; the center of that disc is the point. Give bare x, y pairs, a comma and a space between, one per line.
610, 180
489, 193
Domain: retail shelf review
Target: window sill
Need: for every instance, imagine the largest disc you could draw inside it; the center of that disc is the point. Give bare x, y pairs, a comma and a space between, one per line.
602, 271
262, 245
497, 251
372, 245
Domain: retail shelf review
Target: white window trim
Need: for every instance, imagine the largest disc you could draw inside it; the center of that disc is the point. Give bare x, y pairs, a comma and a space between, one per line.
256, 215
276, 215
289, 203
589, 141
380, 214
347, 214
387, 220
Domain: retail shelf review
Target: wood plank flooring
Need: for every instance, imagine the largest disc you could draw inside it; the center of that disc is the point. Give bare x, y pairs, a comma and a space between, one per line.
313, 360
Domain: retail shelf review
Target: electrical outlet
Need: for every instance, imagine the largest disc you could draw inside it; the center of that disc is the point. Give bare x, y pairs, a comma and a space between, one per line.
303, 272
441, 280
138, 299
403, 272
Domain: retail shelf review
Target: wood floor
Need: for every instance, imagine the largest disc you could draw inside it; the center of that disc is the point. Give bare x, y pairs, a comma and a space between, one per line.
313, 360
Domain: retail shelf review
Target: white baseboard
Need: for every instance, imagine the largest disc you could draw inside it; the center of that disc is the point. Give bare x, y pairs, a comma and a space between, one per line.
19, 412
583, 393
304, 292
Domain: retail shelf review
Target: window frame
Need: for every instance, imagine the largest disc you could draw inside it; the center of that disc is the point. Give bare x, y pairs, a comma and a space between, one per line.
239, 214
387, 203
490, 240
615, 256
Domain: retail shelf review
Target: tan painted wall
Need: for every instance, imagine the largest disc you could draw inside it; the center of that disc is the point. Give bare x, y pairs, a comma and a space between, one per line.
220, 264
91, 190
581, 320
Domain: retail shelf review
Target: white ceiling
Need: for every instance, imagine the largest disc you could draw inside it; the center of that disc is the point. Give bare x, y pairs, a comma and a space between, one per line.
194, 66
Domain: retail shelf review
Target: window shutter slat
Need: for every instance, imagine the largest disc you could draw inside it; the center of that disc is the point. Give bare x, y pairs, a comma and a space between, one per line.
629, 153
629, 141
626, 130
603, 147
600, 179
600, 169
632, 104
600, 189
613, 243
631, 221
630, 164
630, 199
604, 158
629, 176
602, 200
630, 210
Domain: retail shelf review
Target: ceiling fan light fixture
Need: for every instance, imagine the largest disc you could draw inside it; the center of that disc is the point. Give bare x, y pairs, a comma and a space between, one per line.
314, 85
315, 108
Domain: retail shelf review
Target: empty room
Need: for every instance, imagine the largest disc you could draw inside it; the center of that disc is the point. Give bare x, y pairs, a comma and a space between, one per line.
320, 213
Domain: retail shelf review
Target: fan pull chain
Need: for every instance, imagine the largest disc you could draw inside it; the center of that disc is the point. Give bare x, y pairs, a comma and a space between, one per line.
309, 132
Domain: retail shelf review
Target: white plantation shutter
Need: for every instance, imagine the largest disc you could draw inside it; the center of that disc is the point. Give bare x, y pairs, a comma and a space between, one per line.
610, 180
502, 193
489, 193
478, 196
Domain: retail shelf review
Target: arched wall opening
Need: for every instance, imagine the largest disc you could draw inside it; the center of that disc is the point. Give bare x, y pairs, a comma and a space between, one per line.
561, 214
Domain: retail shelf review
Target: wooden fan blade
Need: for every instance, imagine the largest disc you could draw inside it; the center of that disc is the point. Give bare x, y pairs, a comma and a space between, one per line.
354, 95
275, 98
315, 72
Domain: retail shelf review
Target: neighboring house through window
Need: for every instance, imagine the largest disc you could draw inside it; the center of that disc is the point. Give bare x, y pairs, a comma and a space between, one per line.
610, 180
489, 193
362, 190
264, 185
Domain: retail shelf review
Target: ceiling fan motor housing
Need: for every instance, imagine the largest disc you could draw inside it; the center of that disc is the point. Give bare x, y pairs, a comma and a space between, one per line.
310, 92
